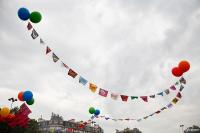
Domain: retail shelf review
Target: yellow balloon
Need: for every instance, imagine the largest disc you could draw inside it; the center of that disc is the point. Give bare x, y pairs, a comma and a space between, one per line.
4, 112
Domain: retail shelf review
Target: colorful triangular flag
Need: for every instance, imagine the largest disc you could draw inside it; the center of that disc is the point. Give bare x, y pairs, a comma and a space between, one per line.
124, 98
182, 80
175, 100
160, 93
179, 95
29, 26
114, 96
41, 41
144, 98
72, 73
48, 50
170, 105
163, 108
103, 92
82, 80
134, 97
152, 96
167, 91
181, 87
34, 34
172, 87
93, 87
55, 57
157, 112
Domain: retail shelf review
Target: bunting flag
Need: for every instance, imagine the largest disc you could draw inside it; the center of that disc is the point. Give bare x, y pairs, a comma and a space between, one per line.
173, 87
179, 95
103, 92
175, 100
134, 97
160, 93
93, 87
181, 88
182, 80
29, 26
48, 50
152, 96
114, 96
170, 105
124, 98
144, 98
82, 80
72, 73
41, 41
163, 108
55, 57
157, 112
152, 114
167, 91
177, 83
34, 34
64, 65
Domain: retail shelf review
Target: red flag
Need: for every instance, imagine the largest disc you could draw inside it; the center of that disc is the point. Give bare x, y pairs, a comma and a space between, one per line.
124, 98
157, 112
173, 87
29, 26
103, 92
72, 73
48, 50
144, 98
179, 95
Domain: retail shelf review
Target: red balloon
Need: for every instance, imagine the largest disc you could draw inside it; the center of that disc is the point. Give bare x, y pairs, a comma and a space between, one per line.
184, 66
20, 96
176, 71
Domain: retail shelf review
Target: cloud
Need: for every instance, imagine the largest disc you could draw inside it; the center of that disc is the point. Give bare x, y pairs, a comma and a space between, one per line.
122, 46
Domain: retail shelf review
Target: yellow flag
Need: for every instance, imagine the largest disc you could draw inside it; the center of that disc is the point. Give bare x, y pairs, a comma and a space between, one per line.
93, 87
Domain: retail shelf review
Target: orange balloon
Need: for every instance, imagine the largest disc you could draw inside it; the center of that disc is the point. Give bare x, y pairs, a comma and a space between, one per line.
20, 96
4, 111
184, 66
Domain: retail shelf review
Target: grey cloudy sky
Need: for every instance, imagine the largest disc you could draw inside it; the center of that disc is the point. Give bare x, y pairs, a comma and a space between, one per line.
124, 46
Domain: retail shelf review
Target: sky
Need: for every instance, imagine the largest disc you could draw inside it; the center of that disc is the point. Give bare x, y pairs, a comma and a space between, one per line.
128, 47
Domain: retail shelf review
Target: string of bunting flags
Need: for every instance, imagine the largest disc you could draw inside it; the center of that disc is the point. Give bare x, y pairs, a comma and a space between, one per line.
168, 106
93, 87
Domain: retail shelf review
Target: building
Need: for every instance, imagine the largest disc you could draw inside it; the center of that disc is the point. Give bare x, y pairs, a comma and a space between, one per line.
57, 125
193, 129
127, 130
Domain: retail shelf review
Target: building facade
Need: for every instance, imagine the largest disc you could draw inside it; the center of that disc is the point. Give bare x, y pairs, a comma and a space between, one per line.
57, 125
128, 130
193, 129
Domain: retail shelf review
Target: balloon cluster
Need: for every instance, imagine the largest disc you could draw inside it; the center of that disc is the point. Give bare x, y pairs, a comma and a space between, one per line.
26, 96
5, 114
94, 111
183, 67
24, 14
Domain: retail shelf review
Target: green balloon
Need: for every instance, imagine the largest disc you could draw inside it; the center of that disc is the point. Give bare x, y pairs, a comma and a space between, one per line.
91, 110
30, 102
35, 17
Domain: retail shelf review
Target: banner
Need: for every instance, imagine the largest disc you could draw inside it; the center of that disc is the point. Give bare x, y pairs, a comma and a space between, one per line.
102, 92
